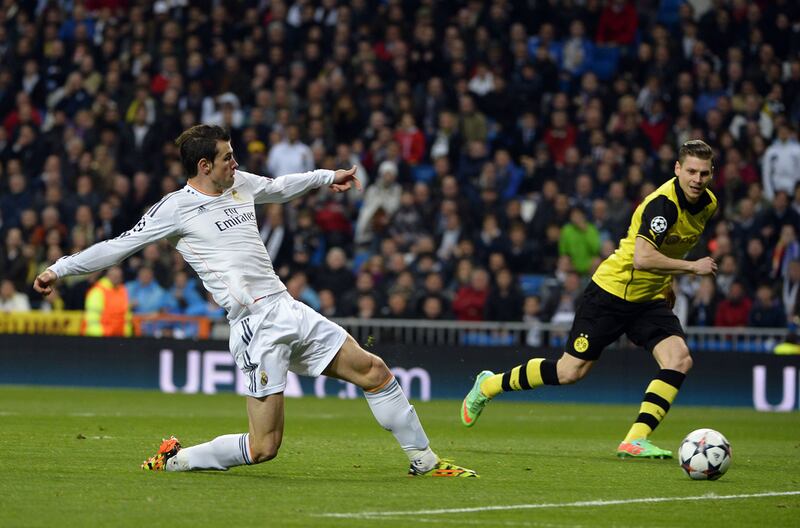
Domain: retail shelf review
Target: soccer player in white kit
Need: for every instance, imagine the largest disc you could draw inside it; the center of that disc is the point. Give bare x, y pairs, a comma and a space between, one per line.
212, 223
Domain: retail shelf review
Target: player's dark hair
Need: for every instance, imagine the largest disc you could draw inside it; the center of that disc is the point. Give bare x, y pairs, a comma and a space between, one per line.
198, 142
696, 148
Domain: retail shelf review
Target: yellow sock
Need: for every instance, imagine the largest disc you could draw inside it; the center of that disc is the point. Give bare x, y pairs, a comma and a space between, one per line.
492, 386
529, 375
638, 430
658, 398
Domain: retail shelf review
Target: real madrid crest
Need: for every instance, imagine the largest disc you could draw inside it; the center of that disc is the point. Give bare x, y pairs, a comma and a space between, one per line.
581, 343
263, 378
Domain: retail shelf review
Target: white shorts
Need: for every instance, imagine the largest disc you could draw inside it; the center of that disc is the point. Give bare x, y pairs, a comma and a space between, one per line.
283, 335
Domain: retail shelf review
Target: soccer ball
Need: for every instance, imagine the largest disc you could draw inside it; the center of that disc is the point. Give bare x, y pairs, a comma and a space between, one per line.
705, 454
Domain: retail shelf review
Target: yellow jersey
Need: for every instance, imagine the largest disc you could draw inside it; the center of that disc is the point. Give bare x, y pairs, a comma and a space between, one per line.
668, 221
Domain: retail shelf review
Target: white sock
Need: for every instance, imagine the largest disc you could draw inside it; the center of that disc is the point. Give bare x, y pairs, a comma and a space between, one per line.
220, 453
393, 412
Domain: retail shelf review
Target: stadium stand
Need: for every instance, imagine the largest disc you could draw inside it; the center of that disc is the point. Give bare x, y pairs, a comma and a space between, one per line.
493, 114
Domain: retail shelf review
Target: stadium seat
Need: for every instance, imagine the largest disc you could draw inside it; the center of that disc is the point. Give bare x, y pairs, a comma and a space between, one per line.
750, 345
605, 62
318, 257
423, 173
531, 284
358, 260
487, 339
669, 13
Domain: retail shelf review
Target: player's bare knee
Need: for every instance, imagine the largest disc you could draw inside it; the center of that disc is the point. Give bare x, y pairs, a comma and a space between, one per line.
683, 363
569, 374
264, 454
679, 359
264, 449
568, 377
688, 363
378, 373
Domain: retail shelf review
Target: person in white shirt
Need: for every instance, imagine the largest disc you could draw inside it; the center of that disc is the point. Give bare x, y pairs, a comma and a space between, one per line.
290, 156
212, 223
11, 300
383, 194
781, 164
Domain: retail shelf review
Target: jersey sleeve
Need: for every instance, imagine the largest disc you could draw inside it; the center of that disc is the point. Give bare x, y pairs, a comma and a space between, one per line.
658, 216
160, 221
285, 188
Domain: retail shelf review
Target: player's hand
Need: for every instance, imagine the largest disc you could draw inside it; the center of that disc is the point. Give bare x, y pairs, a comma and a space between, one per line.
705, 266
44, 282
343, 180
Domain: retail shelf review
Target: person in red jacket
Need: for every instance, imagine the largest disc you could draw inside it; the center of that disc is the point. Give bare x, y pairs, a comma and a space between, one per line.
560, 136
410, 139
470, 301
734, 310
23, 113
618, 23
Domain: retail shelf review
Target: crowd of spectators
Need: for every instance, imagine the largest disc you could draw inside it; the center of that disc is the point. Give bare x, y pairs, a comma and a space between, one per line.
503, 144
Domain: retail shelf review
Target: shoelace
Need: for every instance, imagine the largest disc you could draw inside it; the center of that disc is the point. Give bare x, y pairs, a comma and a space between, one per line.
478, 403
446, 463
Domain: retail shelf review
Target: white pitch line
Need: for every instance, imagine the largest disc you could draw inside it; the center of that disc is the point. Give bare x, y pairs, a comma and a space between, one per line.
578, 504
465, 522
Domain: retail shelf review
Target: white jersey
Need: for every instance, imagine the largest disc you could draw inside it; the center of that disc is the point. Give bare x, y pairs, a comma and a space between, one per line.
217, 235
781, 168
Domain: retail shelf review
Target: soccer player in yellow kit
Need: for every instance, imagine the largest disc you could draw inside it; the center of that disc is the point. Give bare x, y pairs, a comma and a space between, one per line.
629, 295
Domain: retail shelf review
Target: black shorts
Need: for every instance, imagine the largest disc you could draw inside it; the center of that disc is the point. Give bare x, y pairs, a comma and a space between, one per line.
601, 318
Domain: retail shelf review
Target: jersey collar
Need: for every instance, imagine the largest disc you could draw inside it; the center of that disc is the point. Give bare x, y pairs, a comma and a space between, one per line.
195, 189
685, 204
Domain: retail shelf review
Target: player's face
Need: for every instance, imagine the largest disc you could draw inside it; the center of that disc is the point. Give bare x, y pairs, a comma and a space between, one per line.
694, 175
224, 164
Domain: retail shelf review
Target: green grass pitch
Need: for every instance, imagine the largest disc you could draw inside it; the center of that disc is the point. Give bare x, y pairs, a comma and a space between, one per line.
71, 458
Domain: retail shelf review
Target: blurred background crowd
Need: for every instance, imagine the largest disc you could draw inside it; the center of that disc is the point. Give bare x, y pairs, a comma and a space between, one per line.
503, 145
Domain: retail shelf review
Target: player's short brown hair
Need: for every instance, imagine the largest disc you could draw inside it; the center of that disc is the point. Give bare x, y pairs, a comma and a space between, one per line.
696, 148
198, 142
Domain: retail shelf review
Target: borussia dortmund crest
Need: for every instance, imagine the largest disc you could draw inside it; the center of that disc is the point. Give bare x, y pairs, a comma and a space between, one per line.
581, 343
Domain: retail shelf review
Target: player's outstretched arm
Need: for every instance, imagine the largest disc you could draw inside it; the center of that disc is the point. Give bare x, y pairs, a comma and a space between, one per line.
160, 222
285, 188
647, 258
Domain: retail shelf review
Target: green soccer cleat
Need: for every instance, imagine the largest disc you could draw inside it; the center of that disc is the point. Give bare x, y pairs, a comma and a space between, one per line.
473, 404
641, 448
443, 468
168, 449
